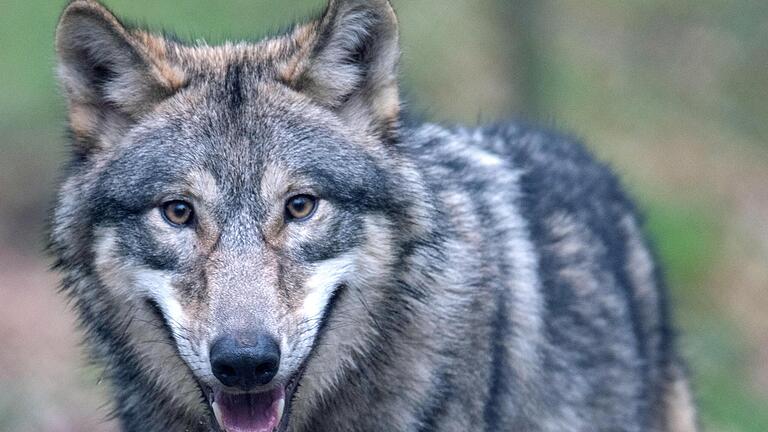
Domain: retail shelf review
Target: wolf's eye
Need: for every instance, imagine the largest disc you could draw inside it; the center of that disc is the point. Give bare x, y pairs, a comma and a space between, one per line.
300, 207
178, 213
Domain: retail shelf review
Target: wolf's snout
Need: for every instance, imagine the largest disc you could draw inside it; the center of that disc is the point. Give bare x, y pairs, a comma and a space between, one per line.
245, 360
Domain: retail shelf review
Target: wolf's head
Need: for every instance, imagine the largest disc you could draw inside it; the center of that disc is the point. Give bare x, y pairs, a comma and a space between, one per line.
233, 216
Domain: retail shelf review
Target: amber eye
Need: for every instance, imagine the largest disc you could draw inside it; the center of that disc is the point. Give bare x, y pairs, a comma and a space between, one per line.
300, 207
178, 213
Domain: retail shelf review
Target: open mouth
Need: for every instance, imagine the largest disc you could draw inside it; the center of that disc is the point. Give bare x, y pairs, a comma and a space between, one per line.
253, 412
249, 412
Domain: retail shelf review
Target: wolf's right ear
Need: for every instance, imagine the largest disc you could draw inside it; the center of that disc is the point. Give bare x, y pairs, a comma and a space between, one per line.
110, 74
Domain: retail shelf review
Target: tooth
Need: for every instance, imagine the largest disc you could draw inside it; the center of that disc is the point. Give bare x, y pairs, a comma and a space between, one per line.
280, 408
217, 414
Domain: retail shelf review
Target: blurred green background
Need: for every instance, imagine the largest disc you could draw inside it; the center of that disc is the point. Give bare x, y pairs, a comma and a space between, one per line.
673, 93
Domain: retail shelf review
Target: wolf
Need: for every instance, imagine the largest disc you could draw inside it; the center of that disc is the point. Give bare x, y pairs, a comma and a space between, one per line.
255, 238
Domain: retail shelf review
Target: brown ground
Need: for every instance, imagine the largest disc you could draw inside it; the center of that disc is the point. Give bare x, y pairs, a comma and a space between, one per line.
41, 360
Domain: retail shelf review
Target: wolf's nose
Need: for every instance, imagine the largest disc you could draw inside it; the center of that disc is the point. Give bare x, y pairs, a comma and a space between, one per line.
245, 360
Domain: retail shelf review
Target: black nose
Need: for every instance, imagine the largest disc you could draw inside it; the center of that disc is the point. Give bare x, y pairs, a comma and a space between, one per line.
245, 360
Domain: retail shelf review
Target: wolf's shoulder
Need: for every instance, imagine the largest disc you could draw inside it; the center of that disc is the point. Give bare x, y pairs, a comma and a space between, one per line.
556, 168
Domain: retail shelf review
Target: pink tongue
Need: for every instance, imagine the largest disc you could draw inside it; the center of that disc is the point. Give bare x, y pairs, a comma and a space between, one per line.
255, 412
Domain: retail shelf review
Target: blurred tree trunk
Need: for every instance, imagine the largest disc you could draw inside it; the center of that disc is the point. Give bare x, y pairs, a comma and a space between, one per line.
521, 23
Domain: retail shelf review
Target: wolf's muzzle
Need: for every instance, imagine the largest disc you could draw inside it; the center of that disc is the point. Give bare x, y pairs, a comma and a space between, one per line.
245, 360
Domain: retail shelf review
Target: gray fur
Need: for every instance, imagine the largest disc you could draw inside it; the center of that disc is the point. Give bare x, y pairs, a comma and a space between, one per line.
449, 280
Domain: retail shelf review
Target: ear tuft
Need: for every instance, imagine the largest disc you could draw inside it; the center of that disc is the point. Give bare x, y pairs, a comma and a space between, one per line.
110, 74
348, 63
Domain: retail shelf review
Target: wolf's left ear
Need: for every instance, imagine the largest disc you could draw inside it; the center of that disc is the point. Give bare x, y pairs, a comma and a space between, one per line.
111, 74
349, 64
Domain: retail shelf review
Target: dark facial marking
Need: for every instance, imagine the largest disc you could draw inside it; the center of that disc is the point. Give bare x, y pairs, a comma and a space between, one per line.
234, 86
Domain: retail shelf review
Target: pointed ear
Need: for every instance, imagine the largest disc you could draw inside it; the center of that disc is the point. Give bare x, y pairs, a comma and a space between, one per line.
349, 64
110, 74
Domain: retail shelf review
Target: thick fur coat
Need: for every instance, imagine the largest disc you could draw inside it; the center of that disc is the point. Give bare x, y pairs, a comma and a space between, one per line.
405, 277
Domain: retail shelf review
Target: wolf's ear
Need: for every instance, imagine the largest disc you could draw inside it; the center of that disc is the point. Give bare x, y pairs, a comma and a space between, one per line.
110, 75
350, 64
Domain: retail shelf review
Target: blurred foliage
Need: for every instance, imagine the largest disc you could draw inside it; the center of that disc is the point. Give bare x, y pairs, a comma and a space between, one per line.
674, 94
687, 236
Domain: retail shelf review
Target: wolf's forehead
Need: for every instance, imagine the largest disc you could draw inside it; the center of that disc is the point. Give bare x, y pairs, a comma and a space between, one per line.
224, 137
254, 149
261, 158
